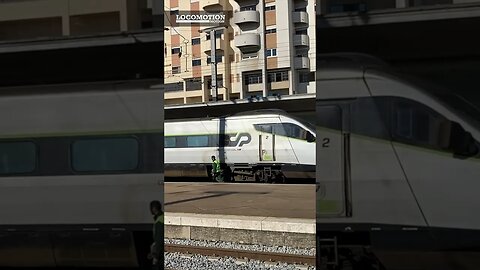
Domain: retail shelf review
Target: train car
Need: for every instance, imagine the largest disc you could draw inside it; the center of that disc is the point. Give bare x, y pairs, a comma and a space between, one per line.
264, 146
79, 165
398, 170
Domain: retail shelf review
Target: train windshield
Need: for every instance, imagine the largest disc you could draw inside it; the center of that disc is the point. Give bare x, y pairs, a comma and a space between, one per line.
461, 105
457, 102
311, 127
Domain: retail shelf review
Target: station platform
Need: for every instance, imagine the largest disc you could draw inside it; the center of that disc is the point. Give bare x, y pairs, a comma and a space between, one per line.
243, 199
281, 215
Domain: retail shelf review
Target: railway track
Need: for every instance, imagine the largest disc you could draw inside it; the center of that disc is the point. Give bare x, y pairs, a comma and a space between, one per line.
236, 253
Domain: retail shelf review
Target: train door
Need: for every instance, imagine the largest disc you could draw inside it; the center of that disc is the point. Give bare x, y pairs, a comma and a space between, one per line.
333, 168
266, 151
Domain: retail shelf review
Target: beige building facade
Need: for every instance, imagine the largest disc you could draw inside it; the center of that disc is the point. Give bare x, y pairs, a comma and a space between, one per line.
37, 19
266, 49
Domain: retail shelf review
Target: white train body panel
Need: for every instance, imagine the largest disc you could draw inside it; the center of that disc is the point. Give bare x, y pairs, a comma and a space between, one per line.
246, 143
397, 160
57, 205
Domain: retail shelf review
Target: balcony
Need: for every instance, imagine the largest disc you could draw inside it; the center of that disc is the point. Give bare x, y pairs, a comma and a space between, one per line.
219, 44
246, 18
302, 62
248, 42
301, 41
300, 18
213, 5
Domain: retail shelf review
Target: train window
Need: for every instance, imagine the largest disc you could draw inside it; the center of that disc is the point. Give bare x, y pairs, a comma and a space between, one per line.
170, 142
292, 131
197, 141
267, 128
17, 157
329, 116
367, 117
113, 154
283, 129
415, 123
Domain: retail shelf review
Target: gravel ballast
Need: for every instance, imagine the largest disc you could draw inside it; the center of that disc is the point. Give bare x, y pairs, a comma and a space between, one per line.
178, 261
239, 246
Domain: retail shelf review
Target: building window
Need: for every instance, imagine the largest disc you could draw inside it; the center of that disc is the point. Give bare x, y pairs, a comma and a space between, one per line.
218, 58
17, 157
249, 55
196, 62
307, 77
271, 52
301, 9
271, 31
176, 50
175, 70
278, 76
249, 7
218, 34
301, 32
171, 87
195, 41
219, 82
268, 8
253, 78
112, 154
193, 84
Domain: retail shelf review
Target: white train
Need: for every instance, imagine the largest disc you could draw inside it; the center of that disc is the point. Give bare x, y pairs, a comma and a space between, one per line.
264, 145
79, 165
398, 170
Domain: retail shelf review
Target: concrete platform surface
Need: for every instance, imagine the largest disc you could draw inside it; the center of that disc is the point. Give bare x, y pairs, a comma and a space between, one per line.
241, 199
257, 223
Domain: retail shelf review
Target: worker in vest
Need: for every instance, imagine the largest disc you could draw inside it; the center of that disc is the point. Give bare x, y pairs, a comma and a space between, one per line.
156, 249
217, 172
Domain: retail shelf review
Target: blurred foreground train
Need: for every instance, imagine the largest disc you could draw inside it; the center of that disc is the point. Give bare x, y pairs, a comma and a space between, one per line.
398, 170
79, 165
263, 146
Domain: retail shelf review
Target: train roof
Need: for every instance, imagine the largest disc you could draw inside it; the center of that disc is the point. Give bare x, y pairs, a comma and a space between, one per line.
272, 112
346, 65
236, 115
262, 111
359, 60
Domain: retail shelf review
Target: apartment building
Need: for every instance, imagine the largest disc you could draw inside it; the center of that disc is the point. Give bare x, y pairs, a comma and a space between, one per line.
267, 48
63, 41
36, 19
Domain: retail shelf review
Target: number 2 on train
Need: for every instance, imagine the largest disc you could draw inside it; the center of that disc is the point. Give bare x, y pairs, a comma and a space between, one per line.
326, 142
